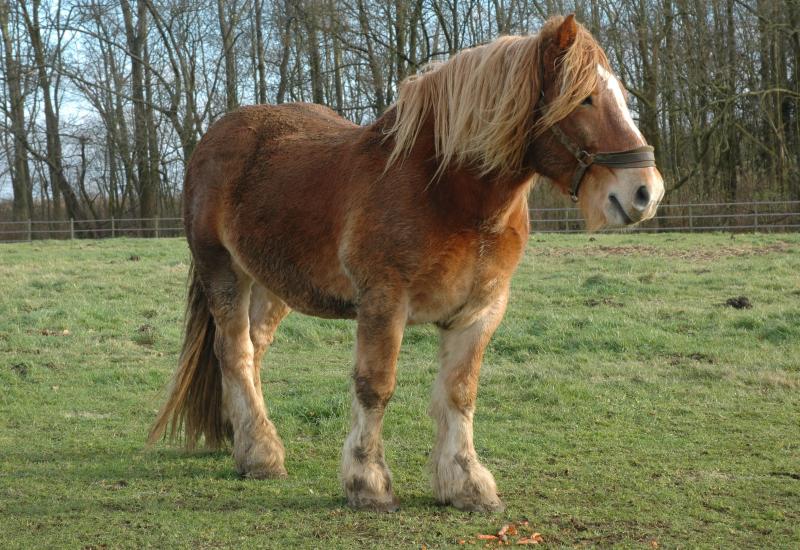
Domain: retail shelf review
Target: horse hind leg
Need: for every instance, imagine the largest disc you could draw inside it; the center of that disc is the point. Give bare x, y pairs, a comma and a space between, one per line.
257, 450
266, 313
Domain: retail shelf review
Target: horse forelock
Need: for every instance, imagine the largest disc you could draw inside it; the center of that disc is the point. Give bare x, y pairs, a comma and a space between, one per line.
482, 100
577, 78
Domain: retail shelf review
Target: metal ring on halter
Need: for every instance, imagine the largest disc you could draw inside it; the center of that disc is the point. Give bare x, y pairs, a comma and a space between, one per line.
584, 158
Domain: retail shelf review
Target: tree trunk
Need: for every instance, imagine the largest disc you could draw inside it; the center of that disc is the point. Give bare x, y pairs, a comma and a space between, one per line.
286, 51
226, 27
154, 191
374, 63
136, 33
22, 208
55, 165
261, 66
314, 59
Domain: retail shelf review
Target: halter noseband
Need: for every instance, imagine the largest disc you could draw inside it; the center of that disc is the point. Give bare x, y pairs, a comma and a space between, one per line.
639, 157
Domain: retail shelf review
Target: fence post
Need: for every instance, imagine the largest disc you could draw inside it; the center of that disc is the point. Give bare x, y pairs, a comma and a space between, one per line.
691, 221
113, 229
30, 231
157, 224
72, 229
755, 217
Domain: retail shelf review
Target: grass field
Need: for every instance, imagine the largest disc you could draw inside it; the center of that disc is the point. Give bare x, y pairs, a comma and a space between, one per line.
622, 403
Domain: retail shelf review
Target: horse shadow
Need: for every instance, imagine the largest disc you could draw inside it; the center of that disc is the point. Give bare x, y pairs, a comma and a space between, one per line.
187, 479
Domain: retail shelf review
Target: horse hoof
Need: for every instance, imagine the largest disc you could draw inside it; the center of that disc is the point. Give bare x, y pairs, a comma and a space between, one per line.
489, 506
265, 473
384, 506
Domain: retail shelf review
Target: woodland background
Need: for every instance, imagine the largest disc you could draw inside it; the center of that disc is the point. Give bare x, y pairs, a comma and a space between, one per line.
103, 101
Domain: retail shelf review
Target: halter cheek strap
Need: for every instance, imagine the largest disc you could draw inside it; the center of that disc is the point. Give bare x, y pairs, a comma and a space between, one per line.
640, 157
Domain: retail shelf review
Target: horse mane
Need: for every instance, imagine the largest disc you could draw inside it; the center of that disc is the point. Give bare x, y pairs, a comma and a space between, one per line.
483, 99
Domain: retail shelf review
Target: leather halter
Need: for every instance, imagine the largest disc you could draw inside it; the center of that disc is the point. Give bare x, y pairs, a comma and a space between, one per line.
639, 157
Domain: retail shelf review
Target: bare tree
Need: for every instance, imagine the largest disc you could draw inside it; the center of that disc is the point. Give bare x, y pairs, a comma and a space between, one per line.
54, 156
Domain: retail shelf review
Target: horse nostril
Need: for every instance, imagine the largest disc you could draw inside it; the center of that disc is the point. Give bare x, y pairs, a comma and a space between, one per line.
642, 197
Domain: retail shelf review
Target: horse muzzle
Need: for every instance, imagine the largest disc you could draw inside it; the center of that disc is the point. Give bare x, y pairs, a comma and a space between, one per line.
635, 198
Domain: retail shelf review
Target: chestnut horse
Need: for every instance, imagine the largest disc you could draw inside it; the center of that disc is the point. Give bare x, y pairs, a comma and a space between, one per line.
420, 217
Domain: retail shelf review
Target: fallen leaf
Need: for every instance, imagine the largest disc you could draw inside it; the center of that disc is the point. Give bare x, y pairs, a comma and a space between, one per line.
654, 543
487, 537
508, 529
535, 538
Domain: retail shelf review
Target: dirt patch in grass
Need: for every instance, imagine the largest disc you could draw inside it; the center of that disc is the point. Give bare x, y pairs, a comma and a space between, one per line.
591, 302
20, 370
146, 335
773, 379
50, 332
740, 302
678, 358
581, 532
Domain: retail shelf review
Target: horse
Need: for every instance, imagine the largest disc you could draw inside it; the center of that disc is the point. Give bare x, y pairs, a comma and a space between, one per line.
419, 217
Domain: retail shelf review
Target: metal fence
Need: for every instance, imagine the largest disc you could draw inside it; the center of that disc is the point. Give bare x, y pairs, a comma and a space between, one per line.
763, 216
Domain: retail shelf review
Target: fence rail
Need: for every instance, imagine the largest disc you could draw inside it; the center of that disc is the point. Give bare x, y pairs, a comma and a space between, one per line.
764, 216
92, 229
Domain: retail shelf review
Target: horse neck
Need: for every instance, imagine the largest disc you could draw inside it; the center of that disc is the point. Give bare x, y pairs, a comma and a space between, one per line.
479, 201
459, 195
474, 199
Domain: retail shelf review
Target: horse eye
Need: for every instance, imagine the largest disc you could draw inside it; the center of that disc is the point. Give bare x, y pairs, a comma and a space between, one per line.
587, 101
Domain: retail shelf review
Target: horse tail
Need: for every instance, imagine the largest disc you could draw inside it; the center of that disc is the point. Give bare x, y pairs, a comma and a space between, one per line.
194, 405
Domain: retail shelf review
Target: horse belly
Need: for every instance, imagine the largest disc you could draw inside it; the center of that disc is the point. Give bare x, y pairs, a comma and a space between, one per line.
310, 280
295, 258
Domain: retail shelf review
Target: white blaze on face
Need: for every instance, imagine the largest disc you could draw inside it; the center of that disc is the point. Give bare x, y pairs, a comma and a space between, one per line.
612, 83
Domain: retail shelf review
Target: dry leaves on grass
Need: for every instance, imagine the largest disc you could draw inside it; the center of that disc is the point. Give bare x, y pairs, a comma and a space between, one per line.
508, 533
48, 332
535, 538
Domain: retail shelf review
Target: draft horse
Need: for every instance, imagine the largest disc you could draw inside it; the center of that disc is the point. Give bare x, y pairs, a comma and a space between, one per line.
419, 217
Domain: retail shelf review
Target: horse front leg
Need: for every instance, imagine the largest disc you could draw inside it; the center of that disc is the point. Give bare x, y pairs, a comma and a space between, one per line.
458, 477
366, 478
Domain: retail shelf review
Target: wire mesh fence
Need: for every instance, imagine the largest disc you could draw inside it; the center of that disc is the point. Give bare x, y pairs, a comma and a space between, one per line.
762, 216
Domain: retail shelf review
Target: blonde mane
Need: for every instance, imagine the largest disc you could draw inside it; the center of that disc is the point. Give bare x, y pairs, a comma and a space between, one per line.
482, 100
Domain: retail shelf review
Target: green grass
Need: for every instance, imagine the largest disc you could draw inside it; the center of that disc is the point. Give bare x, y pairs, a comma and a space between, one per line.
621, 403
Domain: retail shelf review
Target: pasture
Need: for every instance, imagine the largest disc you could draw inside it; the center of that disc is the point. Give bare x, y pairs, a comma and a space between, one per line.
622, 403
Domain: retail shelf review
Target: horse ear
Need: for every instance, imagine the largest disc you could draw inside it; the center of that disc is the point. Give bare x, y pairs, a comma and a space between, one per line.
567, 31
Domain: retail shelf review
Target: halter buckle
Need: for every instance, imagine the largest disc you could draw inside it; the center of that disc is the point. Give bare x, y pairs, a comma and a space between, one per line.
584, 158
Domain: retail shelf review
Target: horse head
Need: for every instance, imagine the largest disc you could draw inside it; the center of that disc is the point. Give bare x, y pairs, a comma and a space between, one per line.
585, 140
